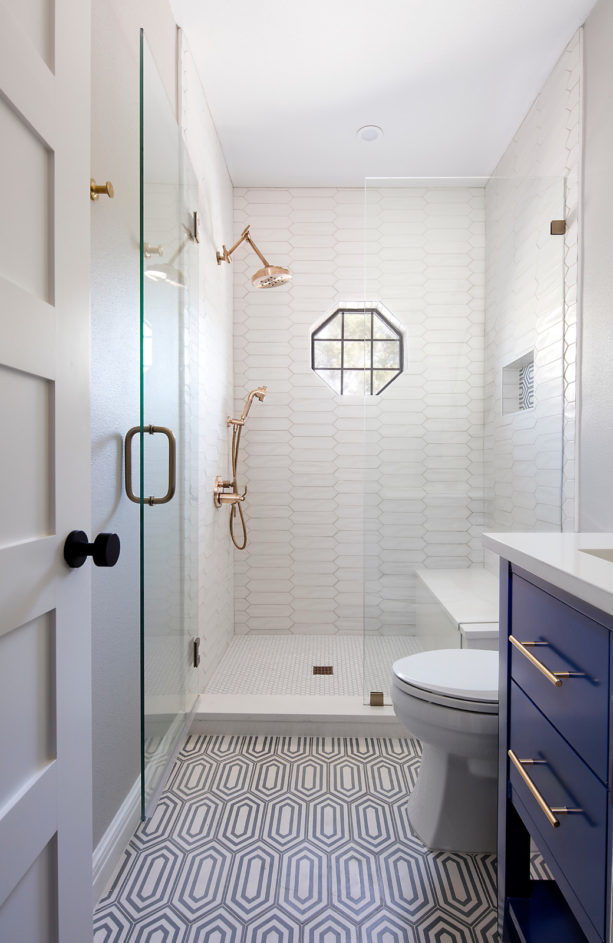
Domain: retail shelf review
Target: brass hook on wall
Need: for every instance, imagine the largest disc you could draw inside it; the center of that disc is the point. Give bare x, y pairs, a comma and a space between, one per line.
95, 190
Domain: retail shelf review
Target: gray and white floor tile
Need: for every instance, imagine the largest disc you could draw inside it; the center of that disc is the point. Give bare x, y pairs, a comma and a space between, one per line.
293, 840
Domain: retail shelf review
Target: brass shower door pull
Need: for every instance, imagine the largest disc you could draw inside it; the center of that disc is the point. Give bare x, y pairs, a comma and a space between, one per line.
172, 464
95, 190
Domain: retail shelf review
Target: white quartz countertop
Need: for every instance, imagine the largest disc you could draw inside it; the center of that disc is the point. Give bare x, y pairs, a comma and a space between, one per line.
560, 559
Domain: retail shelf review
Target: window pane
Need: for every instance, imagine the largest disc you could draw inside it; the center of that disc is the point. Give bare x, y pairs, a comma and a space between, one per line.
357, 354
327, 354
332, 378
357, 325
356, 382
381, 378
381, 329
386, 354
331, 330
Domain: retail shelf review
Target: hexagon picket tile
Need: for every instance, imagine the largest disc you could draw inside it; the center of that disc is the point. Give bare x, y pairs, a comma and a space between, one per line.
198, 821
163, 927
385, 928
406, 884
151, 880
233, 776
309, 778
218, 926
241, 822
273, 928
304, 883
111, 925
252, 881
328, 823
285, 822
201, 881
457, 885
371, 824
355, 883
330, 928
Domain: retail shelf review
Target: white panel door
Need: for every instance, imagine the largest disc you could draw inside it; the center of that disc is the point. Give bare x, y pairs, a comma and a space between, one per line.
45, 645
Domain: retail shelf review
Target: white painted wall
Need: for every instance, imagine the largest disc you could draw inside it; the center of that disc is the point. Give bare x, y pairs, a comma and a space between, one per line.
596, 421
531, 305
305, 455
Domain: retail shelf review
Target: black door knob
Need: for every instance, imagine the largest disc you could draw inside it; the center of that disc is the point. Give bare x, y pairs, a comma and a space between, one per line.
104, 550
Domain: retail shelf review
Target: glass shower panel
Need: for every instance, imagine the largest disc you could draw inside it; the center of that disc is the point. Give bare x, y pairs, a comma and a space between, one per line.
169, 292
470, 437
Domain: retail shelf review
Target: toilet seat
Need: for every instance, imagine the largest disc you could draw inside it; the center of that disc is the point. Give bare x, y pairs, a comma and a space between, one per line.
465, 679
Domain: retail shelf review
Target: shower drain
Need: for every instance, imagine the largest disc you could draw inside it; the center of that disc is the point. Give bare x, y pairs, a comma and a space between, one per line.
323, 670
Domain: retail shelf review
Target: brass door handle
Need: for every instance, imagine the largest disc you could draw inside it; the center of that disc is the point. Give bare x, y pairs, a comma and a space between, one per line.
172, 464
554, 677
548, 811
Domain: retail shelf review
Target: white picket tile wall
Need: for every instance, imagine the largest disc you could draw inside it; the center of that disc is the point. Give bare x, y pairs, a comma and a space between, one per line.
212, 384
531, 303
337, 489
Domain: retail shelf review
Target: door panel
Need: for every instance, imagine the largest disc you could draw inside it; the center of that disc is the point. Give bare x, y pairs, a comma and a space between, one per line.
45, 643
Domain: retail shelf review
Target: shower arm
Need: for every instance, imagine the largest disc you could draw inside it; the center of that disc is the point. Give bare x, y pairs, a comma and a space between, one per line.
245, 237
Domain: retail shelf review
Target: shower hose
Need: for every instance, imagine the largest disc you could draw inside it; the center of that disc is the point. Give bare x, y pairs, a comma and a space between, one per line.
236, 438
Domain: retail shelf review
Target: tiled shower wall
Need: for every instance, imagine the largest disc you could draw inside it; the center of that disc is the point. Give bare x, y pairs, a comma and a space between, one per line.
338, 489
531, 304
212, 385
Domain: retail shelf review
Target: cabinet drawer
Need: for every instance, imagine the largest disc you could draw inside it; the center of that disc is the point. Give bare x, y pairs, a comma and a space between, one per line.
578, 843
573, 643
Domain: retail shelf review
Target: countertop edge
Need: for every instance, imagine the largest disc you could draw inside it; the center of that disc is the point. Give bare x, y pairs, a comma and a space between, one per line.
560, 576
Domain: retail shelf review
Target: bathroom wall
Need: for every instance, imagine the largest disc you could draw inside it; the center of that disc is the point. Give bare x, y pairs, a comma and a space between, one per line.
213, 334
596, 423
531, 306
409, 463
115, 395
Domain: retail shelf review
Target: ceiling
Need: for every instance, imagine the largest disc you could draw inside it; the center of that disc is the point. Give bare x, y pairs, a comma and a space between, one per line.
449, 81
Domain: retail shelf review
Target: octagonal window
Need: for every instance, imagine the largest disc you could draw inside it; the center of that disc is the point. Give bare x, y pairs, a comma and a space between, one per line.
357, 352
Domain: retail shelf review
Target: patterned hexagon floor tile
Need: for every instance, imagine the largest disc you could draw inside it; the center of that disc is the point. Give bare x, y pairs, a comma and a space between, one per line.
293, 840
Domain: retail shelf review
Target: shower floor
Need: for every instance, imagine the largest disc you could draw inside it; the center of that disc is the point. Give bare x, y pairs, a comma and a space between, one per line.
283, 665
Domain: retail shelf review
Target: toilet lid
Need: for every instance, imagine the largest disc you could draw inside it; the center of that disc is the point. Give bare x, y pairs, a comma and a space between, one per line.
453, 672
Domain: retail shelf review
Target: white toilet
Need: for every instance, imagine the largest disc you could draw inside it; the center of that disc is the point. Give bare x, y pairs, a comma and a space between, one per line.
448, 699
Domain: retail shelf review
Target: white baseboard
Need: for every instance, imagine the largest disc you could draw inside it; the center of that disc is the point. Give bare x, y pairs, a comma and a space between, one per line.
108, 851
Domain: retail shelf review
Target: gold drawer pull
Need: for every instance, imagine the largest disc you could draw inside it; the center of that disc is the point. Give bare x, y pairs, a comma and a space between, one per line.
555, 677
547, 810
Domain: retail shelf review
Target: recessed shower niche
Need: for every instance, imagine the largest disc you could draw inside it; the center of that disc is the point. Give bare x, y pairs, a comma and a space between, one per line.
518, 384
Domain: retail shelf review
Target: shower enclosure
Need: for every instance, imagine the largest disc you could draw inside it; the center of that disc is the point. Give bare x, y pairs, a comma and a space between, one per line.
469, 438
162, 472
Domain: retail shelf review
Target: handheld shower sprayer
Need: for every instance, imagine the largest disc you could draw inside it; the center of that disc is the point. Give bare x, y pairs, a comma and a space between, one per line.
233, 498
260, 393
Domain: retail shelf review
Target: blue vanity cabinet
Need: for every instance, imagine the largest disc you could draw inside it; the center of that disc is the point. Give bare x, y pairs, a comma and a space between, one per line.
555, 759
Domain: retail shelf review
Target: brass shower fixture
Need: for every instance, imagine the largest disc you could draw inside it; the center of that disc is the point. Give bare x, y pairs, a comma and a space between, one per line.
268, 277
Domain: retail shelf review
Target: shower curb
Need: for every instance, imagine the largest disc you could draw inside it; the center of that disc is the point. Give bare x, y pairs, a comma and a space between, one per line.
302, 715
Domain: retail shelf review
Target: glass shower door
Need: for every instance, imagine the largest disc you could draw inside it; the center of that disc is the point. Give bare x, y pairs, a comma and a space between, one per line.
166, 435
470, 438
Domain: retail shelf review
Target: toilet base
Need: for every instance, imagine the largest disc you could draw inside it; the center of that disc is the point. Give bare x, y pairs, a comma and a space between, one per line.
453, 806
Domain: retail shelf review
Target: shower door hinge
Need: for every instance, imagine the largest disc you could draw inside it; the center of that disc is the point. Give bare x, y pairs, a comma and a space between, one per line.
196, 644
376, 699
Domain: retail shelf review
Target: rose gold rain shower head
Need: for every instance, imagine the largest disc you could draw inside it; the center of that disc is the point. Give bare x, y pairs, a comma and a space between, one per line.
268, 277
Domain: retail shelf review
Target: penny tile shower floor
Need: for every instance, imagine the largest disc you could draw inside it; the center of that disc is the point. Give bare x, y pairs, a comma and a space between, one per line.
293, 840
283, 664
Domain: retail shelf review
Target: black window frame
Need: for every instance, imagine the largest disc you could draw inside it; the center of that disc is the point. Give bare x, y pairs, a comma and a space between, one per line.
374, 312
